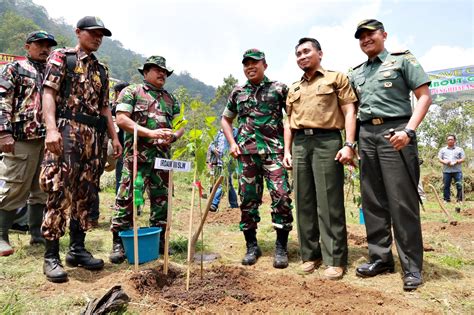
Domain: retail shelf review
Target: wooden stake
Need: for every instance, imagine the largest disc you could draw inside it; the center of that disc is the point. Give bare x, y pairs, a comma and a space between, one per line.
206, 211
135, 172
450, 218
168, 223
190, 229
202, 240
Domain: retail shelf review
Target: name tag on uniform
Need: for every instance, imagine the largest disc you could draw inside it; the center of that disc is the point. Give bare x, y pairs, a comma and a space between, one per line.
165, 164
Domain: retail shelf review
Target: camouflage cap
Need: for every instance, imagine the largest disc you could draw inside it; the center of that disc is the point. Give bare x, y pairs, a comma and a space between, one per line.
40, 35
156, 61
370, 24
253, 53
93, 23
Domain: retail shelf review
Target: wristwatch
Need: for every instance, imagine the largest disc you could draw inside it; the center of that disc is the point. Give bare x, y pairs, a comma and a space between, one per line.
410, 133
173, 138
350, 145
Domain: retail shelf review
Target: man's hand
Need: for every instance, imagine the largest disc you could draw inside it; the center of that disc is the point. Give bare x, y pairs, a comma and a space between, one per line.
7, 143
398, 139
345, 156
117, 147
287, 161
54, 141
161, 133
234, 150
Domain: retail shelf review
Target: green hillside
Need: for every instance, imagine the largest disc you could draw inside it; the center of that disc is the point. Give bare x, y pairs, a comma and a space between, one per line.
19, 17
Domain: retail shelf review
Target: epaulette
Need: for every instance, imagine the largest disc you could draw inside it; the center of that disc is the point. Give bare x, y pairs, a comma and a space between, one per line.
401, 52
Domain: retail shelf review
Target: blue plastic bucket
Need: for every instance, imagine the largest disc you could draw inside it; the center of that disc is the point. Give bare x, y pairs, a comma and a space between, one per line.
148, 244
361, 216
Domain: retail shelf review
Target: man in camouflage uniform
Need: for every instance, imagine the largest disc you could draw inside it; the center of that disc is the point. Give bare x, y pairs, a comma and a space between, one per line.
152, 108
389, 165
76, 114
259, 151
22, 138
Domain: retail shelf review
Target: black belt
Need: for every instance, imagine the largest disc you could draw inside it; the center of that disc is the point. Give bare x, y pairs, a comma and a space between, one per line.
98, 122
314, 131
382, 120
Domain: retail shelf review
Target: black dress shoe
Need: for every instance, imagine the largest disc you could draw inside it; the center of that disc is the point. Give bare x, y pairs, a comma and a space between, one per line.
374, 268
412, 280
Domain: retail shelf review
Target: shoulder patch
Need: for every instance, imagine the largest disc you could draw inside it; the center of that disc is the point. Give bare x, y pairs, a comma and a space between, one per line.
401, 52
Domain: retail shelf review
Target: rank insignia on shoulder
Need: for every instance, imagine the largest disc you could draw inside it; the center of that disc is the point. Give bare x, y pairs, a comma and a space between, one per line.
401, 52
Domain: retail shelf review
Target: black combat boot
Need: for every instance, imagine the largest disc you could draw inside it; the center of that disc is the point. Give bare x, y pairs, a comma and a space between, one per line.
78, 255
52, 267
253, 251
35, 219
117, 256
6, 221
281, 251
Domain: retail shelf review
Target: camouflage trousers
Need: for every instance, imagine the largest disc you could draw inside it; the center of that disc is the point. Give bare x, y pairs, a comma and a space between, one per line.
252, 169
156, 185
71, 179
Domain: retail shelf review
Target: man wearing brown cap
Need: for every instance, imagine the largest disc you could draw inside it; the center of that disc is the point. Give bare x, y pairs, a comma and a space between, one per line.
22, 138
259, 106
152, 108
76, 115
319, 106
389, 167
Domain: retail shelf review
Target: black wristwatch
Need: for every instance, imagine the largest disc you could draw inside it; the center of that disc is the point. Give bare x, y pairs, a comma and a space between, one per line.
173, 138
410, 133
350, 145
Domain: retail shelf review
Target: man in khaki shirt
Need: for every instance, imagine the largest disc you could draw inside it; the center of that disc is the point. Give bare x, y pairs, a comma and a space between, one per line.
318, 107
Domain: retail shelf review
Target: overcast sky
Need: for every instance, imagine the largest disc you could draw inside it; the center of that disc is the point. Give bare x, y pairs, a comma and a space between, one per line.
208, 38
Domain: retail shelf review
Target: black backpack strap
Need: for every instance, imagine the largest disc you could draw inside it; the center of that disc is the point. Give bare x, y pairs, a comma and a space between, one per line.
70, 66
103, 81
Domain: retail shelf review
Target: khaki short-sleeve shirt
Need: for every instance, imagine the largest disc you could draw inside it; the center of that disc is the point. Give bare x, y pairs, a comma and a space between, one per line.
316, 102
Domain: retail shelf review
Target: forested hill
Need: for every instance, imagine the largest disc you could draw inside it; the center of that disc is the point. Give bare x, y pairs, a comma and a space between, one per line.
19, 17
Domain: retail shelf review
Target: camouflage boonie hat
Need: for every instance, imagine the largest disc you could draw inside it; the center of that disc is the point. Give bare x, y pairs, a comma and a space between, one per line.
40, 35
156, 61
93, 23
370, 24
253, 53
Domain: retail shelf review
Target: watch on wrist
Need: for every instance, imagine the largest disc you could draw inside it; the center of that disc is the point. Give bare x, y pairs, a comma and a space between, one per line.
173, 138
350, 145
410, 133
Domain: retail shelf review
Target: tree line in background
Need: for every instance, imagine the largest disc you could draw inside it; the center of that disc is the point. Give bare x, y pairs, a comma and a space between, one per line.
19, 17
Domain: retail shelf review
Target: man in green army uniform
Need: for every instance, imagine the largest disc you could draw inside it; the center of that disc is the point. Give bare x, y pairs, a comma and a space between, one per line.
259, 105
318, 107
152, 108
76, 115
22, 138
389, 167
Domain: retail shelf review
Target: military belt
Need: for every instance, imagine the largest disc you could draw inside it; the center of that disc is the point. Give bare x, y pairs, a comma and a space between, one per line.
381, 120
314, 131
98, 122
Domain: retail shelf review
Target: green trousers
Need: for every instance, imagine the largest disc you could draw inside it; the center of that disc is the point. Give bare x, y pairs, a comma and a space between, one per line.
319, 197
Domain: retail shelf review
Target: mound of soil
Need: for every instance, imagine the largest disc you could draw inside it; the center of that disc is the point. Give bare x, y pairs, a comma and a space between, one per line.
231, 288
225, 216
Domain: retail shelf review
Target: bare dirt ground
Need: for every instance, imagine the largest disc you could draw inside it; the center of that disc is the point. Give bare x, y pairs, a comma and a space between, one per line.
227, 286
